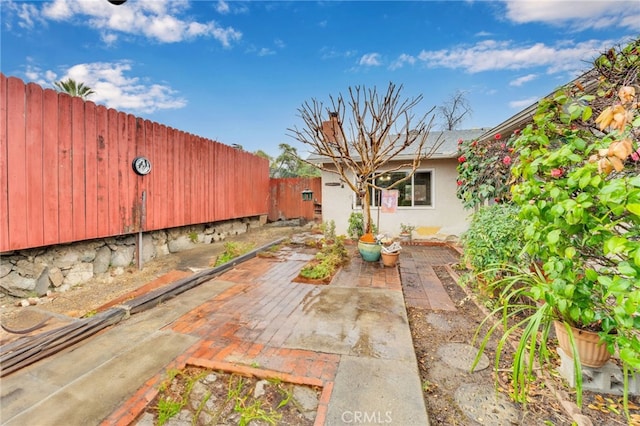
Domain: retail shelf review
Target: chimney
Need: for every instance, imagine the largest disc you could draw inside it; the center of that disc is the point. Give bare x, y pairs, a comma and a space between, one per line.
332, 129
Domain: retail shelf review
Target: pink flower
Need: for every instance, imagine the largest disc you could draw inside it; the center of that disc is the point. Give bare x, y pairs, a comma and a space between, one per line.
462, 159
459, 141
556, 173
516, 132
503, 145
474, 143
498, 136
459, 183
506, 160
635, 156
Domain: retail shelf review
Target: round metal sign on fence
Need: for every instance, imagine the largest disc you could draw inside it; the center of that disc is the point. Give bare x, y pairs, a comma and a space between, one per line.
141, 165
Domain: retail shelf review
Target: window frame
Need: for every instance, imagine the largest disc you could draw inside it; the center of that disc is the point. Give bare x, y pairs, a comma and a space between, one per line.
358, 204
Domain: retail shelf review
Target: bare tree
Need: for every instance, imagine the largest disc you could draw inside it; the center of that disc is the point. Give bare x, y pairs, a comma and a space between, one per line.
455, 110
377, 130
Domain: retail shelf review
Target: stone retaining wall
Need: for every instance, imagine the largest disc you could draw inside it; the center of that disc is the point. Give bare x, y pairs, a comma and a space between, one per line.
34, 272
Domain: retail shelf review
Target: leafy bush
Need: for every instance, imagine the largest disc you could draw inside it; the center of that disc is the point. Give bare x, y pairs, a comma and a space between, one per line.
233, 250
356, 226
493, 239
484, 170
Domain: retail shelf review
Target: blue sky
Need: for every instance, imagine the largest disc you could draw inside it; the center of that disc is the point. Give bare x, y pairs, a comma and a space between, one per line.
237, 71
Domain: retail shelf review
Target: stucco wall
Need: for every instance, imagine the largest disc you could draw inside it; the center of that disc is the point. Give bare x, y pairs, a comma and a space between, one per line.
447, 218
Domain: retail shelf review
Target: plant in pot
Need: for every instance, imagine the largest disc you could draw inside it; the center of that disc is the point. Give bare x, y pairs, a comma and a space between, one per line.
390, 254
406, 231
369, 143
578, 188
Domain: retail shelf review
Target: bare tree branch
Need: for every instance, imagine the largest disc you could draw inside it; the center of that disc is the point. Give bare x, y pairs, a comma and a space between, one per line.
455, 110
377, 130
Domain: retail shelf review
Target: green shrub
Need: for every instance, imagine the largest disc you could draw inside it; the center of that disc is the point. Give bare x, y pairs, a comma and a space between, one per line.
493, 239
356, 226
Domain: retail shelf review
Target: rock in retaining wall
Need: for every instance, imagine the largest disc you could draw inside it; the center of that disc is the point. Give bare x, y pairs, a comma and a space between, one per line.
34, 272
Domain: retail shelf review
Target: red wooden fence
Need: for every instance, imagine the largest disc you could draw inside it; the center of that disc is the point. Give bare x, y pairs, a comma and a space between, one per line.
287, 202
66, 172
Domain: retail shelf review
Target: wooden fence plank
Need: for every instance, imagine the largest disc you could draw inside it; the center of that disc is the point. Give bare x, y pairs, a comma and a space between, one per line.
130, 190
34, 165
78, 157
17, 164
50, 167
102, 171
4, 168
90, 171
65, 169
113, 121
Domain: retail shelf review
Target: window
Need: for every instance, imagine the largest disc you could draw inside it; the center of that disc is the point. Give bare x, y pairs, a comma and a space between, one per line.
414, 192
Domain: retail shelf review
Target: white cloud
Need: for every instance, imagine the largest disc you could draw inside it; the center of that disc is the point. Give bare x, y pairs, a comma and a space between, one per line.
265, 52
522, 104
579, 15
330, 53
27, 14
492, 55
160, 20
113, 86
402, 60
222, 7
370, 60
524, 79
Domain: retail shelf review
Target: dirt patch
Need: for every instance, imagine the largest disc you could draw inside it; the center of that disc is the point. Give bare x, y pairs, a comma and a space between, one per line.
197, 396
443, 384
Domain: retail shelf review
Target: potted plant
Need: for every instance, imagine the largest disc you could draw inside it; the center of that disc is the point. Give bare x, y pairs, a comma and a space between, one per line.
390, 253
406, 231
578, 188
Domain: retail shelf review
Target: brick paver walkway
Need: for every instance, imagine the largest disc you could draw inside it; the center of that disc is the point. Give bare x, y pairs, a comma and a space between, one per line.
243, 328
421, 286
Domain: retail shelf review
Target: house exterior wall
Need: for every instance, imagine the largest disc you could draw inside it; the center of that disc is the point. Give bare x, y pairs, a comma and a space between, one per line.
446, 218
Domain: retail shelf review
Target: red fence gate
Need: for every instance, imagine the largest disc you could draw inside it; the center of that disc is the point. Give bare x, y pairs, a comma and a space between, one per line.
287, 201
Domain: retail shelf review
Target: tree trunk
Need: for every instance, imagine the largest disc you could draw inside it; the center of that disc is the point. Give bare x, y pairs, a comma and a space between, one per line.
366, 206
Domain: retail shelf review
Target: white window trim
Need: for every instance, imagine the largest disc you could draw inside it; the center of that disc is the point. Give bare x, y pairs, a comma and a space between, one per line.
355, 202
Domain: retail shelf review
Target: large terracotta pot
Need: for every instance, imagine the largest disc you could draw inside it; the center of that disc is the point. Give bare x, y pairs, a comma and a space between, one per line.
592, 352
369, 251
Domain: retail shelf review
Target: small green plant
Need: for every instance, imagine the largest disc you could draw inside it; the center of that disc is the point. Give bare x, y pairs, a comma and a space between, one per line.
356, 226
406, 228
193, 236
231, 251
327, 260
255, 411
428, 386
330, 231
168, 409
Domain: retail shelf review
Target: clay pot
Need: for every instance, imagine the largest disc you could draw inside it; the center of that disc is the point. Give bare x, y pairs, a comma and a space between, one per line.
369, 251
592, 352
389, 259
